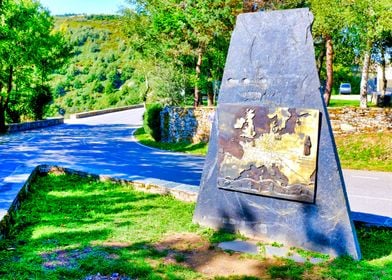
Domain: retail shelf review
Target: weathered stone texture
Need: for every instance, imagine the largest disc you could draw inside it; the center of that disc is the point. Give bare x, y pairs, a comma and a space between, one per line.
358, 120
271, 64
186, 124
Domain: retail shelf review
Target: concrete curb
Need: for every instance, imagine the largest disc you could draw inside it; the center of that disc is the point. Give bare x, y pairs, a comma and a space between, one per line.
21, 189
104, 111
7, 217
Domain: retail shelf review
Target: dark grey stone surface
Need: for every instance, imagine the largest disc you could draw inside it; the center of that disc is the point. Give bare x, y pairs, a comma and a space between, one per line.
271, 63
239, 246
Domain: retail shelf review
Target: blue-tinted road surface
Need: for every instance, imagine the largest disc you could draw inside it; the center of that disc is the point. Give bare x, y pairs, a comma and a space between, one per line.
104, 145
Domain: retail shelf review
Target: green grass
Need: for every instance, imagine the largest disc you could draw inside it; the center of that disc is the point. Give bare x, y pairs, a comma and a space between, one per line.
189, 148
367, 151
343, 103
70, 228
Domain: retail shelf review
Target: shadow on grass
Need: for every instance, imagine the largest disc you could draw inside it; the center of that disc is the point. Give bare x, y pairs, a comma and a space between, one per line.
71, 228
375, 242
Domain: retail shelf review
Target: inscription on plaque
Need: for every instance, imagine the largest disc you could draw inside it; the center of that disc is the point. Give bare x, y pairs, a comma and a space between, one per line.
268, 152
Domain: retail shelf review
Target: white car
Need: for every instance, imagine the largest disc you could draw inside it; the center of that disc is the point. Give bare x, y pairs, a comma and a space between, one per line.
345, 88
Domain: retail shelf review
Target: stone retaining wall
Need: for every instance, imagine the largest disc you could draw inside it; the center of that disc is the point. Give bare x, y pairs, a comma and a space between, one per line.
194, 124
358, 120
15, 127
186, 124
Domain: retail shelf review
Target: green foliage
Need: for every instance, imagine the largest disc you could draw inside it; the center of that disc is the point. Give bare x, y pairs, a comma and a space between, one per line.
152, 120
40, 97
29, 52
179, 34
346, 75
222, 236
100, 73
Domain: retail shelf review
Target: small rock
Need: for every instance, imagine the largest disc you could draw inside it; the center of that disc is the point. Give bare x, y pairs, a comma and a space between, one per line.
239, 246
347, 128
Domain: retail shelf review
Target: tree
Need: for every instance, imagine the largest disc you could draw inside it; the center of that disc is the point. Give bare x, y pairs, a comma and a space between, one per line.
380, 50
371, 20
185, 31
29, 51
327, 25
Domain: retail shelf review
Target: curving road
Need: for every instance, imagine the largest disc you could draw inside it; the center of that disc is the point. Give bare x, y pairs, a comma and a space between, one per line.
104, 145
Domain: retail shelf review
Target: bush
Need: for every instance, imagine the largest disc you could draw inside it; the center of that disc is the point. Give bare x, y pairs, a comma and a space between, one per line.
152, 120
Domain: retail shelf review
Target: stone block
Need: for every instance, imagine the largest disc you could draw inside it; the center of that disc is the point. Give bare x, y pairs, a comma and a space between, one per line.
271, 65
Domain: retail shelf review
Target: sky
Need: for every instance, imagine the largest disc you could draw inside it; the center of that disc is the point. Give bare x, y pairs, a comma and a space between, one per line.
59, 7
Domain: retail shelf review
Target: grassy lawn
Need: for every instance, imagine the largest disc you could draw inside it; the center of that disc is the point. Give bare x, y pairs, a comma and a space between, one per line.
74, 228
193, 149
343, 103
367, 151
70, 227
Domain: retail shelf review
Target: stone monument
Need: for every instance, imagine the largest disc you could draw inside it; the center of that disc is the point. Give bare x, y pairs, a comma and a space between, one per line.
272, 170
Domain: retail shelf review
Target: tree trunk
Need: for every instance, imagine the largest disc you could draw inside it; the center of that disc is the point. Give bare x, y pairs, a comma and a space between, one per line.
3, 127
5, 99
329, 67
364, 78
196, 101
210, 99
320, 59
9, 88
145, 93
383, 78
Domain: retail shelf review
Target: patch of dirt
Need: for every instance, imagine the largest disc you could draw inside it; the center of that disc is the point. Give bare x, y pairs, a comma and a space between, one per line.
113, 244
189, 250
67, 259
63, 258
193, 251
114, 276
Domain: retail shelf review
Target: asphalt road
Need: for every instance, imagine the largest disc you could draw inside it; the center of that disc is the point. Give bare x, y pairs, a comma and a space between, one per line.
371, 193
104, 145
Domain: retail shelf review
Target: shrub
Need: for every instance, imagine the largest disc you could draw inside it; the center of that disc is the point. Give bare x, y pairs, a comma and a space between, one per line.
152, 120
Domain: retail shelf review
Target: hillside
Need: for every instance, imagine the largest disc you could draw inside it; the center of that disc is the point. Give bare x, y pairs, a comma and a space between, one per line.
99, 71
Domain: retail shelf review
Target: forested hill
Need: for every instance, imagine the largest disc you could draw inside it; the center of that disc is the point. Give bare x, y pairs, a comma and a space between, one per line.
99, 71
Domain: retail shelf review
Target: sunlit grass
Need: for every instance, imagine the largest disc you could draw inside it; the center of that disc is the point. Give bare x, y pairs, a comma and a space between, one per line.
343, 103
70, 227
189, 148
366, 151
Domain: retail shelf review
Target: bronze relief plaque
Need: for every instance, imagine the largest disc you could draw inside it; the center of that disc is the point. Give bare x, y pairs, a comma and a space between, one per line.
268, 152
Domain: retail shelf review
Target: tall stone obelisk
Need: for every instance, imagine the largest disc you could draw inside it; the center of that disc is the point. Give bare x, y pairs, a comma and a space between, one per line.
272, 169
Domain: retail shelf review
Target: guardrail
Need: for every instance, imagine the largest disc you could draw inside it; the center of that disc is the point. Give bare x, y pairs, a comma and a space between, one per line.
104, 111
